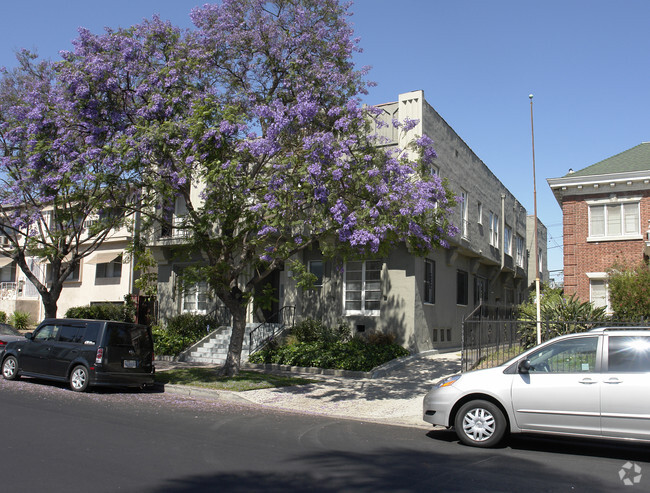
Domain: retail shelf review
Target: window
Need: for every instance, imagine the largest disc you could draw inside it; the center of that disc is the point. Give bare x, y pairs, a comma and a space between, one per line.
47, 333
599, 292
8, 273
464, 198
480, 290
494, 230
480, 213
520, 251
614, 220
363, 287
316, 268
507, 240
72, 277
629, 354
569, 356
109, 269
429, 281
462, 287
68, 333
196, 298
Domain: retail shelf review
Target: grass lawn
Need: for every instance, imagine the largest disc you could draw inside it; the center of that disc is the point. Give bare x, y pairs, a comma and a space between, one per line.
209, 379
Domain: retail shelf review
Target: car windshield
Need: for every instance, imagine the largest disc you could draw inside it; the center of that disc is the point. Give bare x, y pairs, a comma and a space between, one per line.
8, 330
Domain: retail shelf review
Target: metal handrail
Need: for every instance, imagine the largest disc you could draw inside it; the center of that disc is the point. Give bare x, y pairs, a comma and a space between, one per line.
265, 332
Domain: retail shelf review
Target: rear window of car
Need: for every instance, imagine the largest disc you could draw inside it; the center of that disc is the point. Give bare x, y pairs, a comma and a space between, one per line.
128, 335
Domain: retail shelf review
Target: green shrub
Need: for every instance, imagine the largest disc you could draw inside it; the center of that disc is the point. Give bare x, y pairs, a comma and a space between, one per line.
311, 330
629, 291
181, 332
355, 354
103, 311
3, 317
20, 320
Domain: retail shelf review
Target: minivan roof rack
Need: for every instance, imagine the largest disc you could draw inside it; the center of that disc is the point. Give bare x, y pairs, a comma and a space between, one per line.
607, 329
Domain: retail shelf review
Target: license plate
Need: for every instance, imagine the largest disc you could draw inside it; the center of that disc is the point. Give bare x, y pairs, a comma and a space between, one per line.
130, 363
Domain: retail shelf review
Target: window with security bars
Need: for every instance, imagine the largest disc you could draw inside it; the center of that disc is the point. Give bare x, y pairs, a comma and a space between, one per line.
363, 287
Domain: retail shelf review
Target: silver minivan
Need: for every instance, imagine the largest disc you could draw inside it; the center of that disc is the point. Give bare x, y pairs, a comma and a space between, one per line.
593, 384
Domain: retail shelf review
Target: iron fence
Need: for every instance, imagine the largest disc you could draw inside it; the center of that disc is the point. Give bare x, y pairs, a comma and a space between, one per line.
489, 341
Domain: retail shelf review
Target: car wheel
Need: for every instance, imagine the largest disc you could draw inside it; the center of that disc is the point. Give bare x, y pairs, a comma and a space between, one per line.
480, 424
10, 368
79, 378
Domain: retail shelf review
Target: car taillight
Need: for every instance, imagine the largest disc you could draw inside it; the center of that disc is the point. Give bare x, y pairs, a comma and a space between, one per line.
2, 343
99, 356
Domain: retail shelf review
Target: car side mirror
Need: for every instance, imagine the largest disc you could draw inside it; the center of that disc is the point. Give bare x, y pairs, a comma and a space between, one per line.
30, 336
524, 366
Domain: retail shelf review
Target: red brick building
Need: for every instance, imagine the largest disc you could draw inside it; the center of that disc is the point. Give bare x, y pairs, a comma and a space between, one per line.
606, 211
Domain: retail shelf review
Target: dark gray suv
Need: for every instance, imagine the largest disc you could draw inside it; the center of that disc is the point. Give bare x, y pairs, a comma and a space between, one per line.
83, 353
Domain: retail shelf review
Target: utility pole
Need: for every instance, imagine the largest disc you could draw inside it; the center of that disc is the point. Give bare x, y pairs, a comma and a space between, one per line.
537, 287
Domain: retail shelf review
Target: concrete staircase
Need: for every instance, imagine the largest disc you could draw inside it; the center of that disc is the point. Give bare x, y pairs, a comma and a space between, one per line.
213, 348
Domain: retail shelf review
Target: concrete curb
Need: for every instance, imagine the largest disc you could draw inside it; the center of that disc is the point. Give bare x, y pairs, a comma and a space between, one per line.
205, 394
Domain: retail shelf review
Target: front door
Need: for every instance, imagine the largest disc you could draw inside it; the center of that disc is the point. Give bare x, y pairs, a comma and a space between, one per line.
561, 392
626, 388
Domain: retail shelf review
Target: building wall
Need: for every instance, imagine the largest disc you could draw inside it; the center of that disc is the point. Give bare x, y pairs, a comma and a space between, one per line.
91, 289
416, 324
582, 257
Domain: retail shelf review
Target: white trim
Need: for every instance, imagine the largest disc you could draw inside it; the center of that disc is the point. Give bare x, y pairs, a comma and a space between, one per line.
614, 200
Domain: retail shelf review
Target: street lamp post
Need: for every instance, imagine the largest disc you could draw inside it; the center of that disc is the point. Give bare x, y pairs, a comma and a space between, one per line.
537, 287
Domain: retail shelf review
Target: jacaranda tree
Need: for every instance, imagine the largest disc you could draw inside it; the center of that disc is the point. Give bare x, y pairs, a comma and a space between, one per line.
259, 108
57, 200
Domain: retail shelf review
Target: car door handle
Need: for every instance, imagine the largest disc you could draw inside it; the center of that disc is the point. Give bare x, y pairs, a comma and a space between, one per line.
613, 380
588, 381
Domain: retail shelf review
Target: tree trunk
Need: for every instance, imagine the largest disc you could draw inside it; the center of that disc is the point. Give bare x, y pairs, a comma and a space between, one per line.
50, 307
237, 309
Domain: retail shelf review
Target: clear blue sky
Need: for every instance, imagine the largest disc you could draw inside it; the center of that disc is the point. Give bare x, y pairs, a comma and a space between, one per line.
586, 62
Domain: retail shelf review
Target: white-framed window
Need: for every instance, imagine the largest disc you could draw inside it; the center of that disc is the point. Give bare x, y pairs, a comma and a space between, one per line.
196, 297
614, 219
362, 286
111, 270
429, 281
521, 249
316, 268
464, 219
479, 212
599, 289
494, 229
507, 240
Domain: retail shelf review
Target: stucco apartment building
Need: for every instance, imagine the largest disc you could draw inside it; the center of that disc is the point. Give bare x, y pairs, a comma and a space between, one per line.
422, 301
105, 276
606, 215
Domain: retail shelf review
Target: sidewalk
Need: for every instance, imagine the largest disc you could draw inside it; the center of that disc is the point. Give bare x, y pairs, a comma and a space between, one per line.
395, 398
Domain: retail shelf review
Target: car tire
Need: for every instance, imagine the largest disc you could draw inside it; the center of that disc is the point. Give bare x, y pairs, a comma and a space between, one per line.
480, 423
10, 368
79, 378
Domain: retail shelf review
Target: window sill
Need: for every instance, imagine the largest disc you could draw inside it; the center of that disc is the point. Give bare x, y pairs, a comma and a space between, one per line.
597, 239
361, 313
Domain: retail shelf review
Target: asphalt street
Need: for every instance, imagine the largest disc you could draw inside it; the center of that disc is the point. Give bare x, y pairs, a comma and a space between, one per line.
55, 440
